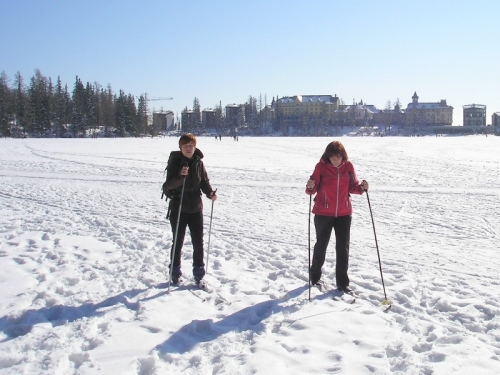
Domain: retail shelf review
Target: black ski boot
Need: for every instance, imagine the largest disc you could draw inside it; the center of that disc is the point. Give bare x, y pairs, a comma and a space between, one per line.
176, 275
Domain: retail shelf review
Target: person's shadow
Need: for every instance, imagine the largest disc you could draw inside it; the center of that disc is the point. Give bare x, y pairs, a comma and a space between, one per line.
60, 314
249, 318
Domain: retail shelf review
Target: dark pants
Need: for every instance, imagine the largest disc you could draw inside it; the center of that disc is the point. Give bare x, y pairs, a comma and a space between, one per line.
324, 226
195, 223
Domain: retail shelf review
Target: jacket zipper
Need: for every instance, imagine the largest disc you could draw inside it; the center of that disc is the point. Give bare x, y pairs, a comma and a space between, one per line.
325, 204
338, 192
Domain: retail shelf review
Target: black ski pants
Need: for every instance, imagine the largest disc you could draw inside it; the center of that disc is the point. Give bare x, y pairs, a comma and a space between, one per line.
324, 226
195, 223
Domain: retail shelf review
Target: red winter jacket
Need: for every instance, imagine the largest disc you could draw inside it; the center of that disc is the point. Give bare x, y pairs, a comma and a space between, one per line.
333, 185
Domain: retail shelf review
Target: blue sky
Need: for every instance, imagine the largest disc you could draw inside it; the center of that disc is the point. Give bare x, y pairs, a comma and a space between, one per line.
227, 50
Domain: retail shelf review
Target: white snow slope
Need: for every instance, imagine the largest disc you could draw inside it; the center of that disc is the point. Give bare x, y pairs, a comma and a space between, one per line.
84, 260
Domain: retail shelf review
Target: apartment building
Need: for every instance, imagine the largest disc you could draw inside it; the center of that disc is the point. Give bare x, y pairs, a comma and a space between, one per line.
235, 115
189, 120
495, 119
474, 115
209, 118
163, 121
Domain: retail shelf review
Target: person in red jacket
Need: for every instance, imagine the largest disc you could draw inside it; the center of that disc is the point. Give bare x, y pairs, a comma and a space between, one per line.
333, 180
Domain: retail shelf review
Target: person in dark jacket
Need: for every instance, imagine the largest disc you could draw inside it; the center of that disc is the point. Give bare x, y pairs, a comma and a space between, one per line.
333, 180
186, 166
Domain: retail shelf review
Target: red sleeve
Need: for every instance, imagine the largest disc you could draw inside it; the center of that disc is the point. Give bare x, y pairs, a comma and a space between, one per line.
316, 176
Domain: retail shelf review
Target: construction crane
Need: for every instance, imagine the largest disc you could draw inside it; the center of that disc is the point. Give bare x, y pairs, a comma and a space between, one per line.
150, 99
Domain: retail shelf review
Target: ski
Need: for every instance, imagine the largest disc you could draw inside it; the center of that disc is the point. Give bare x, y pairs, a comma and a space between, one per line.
201, 291
197, 289
194, 291
386, 305
181, 285
338, 295
349, 298
203, 285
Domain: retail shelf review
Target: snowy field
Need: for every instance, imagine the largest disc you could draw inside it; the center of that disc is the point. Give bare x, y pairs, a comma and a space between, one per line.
84, 260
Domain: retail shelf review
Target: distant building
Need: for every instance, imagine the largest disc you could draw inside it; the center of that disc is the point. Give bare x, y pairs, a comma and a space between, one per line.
163, 121
188, 120
474, 115
394, 116
495, 119
430, 113
235, 115
209, 118
292, 108
357, 114
311, 105
266, 119
303, 113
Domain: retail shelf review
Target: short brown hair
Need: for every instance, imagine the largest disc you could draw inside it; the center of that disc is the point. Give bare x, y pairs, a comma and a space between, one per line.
186, 138
333, 149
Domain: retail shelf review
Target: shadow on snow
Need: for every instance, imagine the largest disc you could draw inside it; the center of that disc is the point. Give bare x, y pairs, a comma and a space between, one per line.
58, 314
249, 318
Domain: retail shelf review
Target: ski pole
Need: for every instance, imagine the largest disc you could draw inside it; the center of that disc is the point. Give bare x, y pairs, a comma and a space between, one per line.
385, 301
176, 233
210, 231
309, 245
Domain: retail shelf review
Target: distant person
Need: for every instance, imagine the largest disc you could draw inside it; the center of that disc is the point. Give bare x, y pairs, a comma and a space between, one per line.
333, 180
187, 165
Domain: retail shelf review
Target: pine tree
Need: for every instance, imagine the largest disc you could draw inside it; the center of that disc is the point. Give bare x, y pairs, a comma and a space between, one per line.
61, 108
97, 105
132, 126
50, 107
90, 116
68, 109
196, 121
142, 117
251, 113
6, 109
108, 111
218, 117
125, 115
39, 99
20, 106
120, 114
78, 110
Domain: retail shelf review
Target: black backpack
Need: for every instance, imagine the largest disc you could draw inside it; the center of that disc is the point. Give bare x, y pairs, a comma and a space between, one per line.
165, 192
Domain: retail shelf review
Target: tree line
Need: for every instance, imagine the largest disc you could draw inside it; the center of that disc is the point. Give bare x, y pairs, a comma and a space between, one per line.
42, 109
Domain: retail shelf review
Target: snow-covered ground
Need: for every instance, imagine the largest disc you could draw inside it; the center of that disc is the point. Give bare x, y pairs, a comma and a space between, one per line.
84, 253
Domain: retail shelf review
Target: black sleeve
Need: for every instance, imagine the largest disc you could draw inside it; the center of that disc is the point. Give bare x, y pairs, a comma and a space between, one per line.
205, 186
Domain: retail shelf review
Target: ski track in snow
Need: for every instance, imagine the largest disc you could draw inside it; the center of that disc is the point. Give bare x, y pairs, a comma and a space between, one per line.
84, 257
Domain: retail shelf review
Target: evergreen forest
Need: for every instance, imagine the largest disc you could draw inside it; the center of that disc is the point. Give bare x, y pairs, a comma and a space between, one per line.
40, 108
